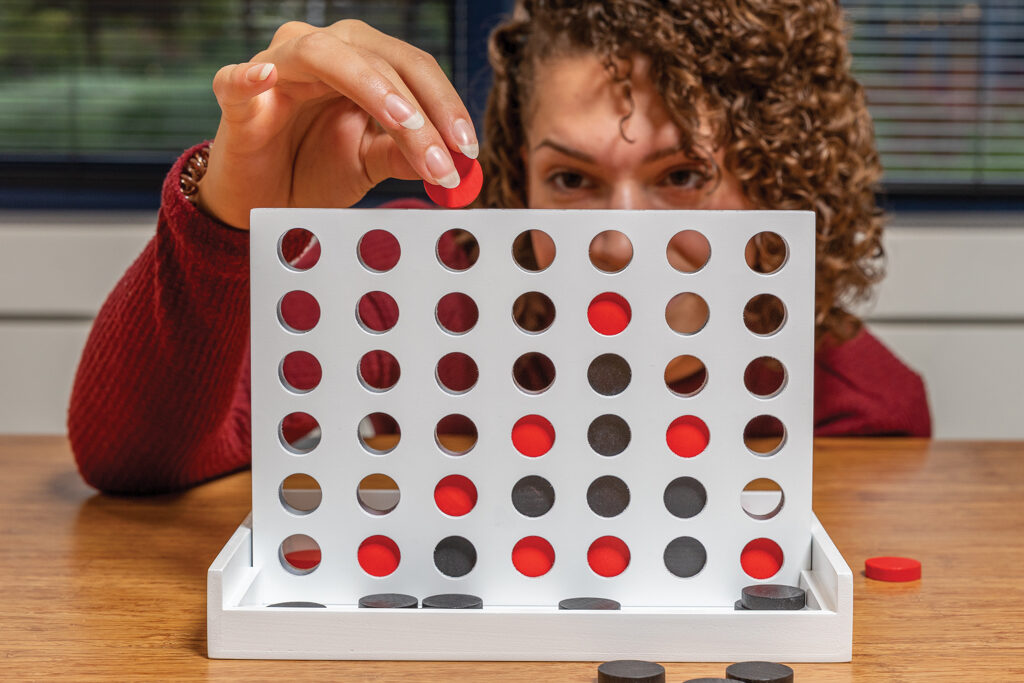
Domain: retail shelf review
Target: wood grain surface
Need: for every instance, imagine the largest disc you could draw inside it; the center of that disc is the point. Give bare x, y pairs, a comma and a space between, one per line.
114, 587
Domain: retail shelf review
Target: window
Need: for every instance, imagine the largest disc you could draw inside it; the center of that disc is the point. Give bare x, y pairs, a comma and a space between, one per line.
945, 86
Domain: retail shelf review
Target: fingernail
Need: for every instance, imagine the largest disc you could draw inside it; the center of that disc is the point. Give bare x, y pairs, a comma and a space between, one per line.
442, 168
259, 72
465, 138
403, 112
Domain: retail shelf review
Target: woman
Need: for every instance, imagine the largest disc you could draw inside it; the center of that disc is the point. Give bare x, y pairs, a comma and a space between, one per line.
708, 104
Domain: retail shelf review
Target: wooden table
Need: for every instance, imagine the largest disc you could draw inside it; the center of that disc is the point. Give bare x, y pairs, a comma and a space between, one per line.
100, 586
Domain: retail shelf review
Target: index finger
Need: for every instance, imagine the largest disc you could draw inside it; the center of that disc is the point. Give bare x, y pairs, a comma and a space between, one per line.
425, 78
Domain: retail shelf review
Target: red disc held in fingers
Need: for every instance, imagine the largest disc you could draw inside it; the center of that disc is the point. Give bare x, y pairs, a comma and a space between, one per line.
471, 180
892, 569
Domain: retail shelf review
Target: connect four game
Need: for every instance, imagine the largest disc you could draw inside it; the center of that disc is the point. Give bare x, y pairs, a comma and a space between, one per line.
529, 435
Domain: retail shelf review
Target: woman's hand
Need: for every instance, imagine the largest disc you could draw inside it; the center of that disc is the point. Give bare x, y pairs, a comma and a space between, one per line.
323, 115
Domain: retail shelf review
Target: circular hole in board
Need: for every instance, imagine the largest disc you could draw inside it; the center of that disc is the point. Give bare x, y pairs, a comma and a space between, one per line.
533, 496
610, 251
378, 251
533, 312
300, 494
378, 370
608, 556
766, 252
762, 558
378, 556
764, 314
533, 372
455, 495
533, 250
609, 374
685, 497
688, 251
379, 433
300, 372
299, 433
608, 496
533, 556
456, 373
608, 435
298, 249
377, 312
456, 313
378, 494
762, 498
457, 249
298, 311
687, 436
686, 375
609, 313
533, 435
455, 434
685, 557
299, 554
764, 435
687, 313
765, 377
454, 556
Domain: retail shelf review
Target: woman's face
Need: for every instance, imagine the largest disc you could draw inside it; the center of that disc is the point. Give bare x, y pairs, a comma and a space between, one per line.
576, 156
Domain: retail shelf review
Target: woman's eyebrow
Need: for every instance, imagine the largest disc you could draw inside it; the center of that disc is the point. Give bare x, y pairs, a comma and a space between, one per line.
583, 156
665, 152
567, 151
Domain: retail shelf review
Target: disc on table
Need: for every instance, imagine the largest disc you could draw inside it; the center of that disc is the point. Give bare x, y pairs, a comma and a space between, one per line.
388, 601
759, 672
453, 601
630, 671
589, 603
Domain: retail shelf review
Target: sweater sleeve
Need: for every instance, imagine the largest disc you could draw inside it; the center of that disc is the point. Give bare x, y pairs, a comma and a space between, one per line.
862, 389
161, 396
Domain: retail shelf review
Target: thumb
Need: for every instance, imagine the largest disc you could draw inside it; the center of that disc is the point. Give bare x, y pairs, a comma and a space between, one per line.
237, 85
383, 159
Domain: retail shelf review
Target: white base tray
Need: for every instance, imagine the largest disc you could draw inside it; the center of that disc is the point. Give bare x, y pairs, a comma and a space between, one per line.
237, 628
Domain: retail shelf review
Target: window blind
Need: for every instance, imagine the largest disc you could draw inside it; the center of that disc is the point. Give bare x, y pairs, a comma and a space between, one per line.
945, 87
129, 81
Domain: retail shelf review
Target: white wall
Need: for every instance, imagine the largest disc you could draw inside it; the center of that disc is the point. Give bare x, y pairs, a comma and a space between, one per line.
952, 307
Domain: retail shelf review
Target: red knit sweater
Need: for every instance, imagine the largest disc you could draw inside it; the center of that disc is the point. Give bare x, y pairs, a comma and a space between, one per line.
161, 397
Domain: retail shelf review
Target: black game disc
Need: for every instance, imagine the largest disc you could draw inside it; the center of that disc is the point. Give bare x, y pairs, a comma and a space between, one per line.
774, 596
589, 603
388, 601
630, 671
298, 603
453, 601
760, 672
738, 605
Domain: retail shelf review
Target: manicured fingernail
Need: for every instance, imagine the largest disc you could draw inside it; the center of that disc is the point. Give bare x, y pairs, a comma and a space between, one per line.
466, 139
259, 72
403, 112
442, 168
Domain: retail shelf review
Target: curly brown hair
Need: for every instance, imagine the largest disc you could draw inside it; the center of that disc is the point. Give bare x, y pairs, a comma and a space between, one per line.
771, 77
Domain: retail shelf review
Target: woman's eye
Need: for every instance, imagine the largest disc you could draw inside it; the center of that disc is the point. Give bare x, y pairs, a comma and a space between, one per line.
568, 180
685, 178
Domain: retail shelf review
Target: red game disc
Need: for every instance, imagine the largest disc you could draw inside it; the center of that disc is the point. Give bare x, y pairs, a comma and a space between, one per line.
472, 179
892, 569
